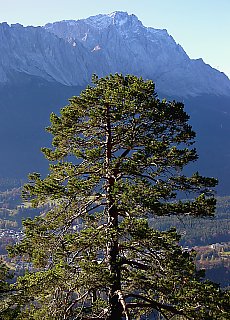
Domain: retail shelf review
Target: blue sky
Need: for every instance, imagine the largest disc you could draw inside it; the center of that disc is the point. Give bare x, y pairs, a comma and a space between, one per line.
202, 27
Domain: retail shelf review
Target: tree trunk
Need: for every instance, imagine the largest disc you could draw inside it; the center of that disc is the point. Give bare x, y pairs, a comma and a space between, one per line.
112, 246
113, 252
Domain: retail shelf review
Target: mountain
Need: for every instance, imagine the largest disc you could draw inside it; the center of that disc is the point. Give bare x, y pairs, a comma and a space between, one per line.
123, 44
41, 67
68, 52
34, 51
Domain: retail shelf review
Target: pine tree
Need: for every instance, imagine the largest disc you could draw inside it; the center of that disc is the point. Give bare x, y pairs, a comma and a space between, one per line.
117, 161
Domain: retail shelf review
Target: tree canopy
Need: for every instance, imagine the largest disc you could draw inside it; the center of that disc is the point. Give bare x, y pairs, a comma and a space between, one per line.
117, 159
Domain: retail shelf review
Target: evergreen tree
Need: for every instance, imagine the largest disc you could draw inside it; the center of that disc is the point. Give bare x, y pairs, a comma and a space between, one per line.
117, 159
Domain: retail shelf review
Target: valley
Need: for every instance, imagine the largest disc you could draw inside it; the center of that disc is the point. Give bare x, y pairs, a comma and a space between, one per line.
209, 237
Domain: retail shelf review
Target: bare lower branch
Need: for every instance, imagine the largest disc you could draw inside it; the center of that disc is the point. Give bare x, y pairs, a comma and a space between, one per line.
137, 264
153, 304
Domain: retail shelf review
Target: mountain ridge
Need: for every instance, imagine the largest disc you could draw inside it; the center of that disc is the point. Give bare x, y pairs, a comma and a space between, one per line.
153, 53
40, 70
69, 52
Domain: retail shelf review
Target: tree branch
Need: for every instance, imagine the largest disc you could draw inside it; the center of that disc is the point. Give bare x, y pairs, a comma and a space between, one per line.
123, 303
154, 304
74, 302
137, 264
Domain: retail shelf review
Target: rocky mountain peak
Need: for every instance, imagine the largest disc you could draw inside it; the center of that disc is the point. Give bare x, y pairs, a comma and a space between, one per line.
117, 18
68, 52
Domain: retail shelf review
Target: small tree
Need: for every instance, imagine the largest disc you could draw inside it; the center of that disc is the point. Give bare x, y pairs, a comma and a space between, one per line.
116, 162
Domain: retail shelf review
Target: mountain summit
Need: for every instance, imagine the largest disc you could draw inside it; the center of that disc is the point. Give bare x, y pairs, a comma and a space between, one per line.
119, 42
68, 52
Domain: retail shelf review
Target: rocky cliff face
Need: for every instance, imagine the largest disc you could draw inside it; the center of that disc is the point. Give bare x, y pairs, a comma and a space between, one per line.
34, 51
68, 52
123, 44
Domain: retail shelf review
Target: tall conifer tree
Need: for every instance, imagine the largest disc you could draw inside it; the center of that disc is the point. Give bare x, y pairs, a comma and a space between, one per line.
117, 161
